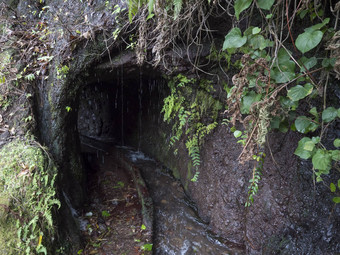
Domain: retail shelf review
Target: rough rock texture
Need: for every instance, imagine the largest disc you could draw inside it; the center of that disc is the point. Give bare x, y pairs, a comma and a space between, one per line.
289, 215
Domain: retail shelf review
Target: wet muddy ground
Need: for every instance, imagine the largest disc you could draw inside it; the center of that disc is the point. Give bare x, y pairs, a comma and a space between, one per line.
112, 222
178, 230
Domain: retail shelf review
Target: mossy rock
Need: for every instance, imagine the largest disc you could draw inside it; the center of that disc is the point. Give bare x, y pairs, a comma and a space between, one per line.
28, 199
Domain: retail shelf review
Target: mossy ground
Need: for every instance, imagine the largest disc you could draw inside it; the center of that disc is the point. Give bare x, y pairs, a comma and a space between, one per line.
27, 196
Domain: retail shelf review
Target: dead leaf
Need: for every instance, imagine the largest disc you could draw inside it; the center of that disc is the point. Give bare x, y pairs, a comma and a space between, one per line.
86, 35
12, 131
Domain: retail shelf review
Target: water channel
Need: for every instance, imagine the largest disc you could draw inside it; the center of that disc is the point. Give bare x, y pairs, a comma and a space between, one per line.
177, 228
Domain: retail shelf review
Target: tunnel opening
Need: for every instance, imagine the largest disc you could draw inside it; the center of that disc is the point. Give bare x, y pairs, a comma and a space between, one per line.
115, 108
123, 107
120, 105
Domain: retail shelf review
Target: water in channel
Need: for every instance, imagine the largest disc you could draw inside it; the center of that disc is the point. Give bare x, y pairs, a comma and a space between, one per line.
177, 228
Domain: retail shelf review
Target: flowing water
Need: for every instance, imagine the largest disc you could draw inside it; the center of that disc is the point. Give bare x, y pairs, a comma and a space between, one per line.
178, 230
177, 227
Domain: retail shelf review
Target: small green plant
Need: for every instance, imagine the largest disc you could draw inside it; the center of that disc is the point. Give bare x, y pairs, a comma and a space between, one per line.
119, 185
147, 247
256, 177
27, 179
185, 109
62, 71
106, 214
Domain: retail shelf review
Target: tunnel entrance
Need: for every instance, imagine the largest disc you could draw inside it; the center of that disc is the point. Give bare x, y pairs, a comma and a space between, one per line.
120, 105
123, 107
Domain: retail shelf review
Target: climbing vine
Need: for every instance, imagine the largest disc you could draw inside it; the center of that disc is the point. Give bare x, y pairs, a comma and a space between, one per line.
278, 76
274, 81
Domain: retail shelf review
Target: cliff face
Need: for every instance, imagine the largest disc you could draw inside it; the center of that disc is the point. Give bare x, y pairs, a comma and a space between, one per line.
93, 86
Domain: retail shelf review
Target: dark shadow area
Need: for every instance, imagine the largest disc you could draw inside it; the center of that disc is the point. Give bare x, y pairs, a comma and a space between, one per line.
116, 108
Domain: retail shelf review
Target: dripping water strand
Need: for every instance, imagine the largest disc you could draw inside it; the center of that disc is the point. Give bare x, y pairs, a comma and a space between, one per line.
122, 101
140, 93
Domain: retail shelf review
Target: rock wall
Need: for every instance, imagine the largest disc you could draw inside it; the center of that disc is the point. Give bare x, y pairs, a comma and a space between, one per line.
290, 215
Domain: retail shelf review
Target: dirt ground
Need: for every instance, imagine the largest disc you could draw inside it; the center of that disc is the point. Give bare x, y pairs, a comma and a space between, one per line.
112, 221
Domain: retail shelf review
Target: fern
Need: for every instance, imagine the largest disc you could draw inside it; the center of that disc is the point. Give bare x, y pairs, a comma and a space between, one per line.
186, 115
194, 151
134, 6
151, 4
195, 178
177, 8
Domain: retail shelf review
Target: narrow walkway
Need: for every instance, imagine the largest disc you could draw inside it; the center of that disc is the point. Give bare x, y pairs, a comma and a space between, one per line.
112, 223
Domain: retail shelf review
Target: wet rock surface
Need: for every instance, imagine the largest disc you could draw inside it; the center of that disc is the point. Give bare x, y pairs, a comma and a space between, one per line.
290, 215
177, 226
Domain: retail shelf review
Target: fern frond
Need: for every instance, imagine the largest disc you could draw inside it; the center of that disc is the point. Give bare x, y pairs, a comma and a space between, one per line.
151, 4
133, 6
177, 8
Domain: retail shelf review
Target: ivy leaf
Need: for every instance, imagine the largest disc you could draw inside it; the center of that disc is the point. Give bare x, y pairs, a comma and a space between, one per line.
240, 6
265, 4
258, 42
288, 104
336, 142
248, 100
287, 66
322, 161
305, 125
255, 30
328, 62
308, 63
315, 113
283, 56
237, 133
329, 114
332, 187
234, 39
318, 26
282, 77
298, 92
316, 139
275, 122
336, 200
308, 40
309, 146
335, 155
300, 150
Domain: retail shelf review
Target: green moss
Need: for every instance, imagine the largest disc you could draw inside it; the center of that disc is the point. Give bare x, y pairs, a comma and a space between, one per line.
189, 175
8, 236
193, 112
27, 178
